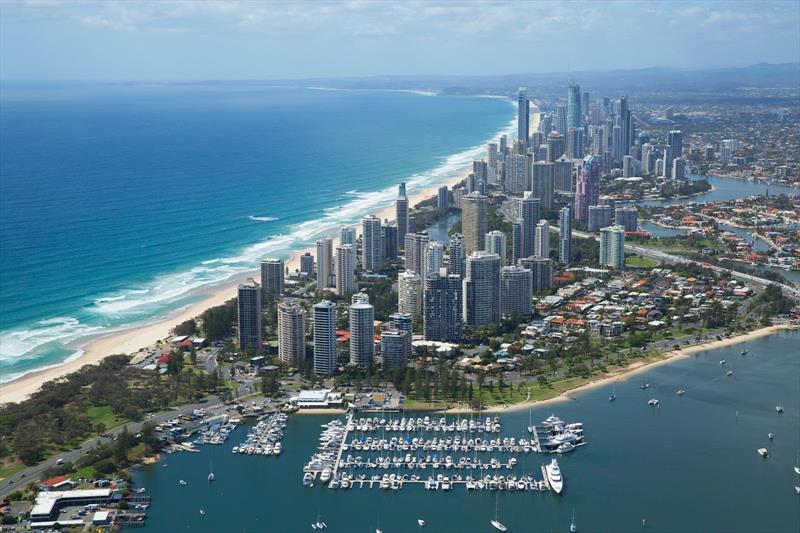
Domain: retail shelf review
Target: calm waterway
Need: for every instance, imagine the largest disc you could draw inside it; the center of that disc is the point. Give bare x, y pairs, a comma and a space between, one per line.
689, 466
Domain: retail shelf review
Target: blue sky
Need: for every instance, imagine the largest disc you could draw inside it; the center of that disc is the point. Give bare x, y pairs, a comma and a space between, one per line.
209, 39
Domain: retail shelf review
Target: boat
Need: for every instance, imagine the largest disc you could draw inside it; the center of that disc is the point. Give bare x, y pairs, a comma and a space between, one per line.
762, 452
554, 476
421, 522
613, 396
531, 427
325, 476
308, 480
680, 392
202, 512
182, 482
797, 489
565, 448
211, 476
722, 362
652, 401
770, 436
744, 352
140, 490
779, 408
729, 373
572, 527
644, 386
496, 523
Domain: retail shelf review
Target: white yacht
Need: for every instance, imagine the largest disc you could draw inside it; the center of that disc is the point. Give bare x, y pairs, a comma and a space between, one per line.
680, 392
182, 482
554, 476
762, 452
770, 436
496, 523
722, 362
421, 522
779, 408
325, 476
572, 527
653, 402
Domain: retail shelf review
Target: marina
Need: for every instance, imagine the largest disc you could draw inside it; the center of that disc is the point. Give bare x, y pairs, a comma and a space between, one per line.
264, 438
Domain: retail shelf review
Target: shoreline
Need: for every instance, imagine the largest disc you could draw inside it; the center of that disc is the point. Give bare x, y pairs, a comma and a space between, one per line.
631, 370
137, 338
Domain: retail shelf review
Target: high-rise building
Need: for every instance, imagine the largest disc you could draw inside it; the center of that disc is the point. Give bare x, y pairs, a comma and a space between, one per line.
678, 168
626, 217
574, 146
249, 315
456, 255
291, 333
515, 291
481, 172
346, 283
496, 244
599, 217
612, 247
541, 272
416, 246
541, 247
434, 257
555, 146
574, 114
523, 114
393, 348
307, 264
564, 236
517, 173
473, 222
560, 121
627, 162
271, 277
542, 183
516, 240
585, 103
389, 238
324, 338
562, 174
588, 187
324, 263
362, 330
626, 127
530, 213
401, 214
402, 323
409, 293
481, 289
442, 308
443, 200
347, 235
371, 244
675, 150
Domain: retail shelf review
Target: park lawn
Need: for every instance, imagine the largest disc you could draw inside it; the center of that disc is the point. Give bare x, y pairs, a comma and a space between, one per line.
634, 261
103, 414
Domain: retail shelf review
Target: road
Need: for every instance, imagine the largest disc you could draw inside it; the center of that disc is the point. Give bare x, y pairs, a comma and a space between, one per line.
33, 473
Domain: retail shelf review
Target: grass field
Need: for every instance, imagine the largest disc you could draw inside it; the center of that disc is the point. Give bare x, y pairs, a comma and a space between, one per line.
103, 415
634, 261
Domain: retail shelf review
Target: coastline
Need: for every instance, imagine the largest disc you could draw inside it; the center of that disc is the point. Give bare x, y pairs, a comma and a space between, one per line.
137, 338
633, 369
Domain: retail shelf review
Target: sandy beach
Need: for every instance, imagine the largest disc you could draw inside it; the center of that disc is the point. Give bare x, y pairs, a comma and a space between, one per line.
137, 338
635, 368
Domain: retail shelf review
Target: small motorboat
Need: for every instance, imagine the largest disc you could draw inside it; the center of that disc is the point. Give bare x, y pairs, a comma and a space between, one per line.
652, 401
421, 522
744, 352
729, 373
771, 436
202, 512
182, 482
762, 452
779, 408
723, 361
680, 392
644, 386
797, 489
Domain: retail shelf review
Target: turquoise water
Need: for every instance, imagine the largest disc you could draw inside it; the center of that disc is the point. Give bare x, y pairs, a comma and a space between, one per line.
690, 466
122, 204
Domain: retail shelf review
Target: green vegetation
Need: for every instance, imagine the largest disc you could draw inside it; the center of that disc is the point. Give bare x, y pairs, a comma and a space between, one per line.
218, 321
635, 261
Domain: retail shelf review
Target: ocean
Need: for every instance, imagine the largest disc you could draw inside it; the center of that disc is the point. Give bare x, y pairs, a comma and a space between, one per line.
120, 204
689, 466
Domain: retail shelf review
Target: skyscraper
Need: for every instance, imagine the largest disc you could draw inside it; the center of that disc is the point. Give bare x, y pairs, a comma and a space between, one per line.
473, 222
515, 291
530, 213
409, 293
523, 114
456, 255
271, 277
443, 200
347, 235
416, 246
393, 348
626, 217
517, 173
496, 244
564, 236
555, 146
324, 338
678, 168
291, 333
585, 103
401, 214
389, 239
434, 257
542, 183
675, 150
562, 174
307, 264
362, 330
612, 247
574, 143
371, 244
442, 308
541, 246
574, 114
599, 217
560, 121
516, 240
541, 272
481, 289
249, 315
588, 187
324, 263
346, 270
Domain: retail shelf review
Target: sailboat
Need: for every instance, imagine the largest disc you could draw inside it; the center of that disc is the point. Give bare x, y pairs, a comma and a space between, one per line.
572, 527
211, 476
797, 465
613, 395
496, 523
530, 422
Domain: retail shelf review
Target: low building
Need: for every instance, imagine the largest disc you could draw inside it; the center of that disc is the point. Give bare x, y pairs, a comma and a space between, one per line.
317, 399
48, 504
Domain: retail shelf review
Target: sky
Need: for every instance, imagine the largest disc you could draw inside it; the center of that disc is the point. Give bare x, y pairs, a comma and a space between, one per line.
141, 40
